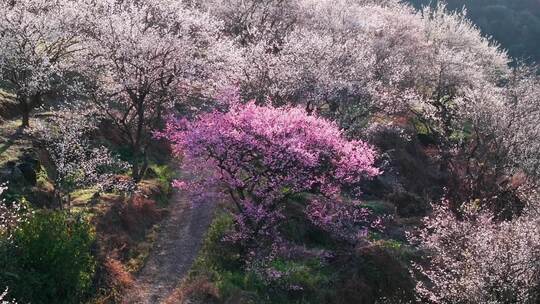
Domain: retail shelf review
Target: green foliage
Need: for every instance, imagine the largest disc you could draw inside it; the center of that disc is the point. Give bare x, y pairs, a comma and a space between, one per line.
220, 261
374, 272
298, 229
217, 255
300, 281
380, 207
82, 195
42, 177
165, 175
362, 276
304, 281
50, 259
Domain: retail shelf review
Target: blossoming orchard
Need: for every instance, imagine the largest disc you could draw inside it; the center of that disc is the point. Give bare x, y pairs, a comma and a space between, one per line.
276, 151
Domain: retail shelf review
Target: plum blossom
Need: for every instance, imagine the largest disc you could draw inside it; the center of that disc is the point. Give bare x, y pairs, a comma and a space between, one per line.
37, 48
145, 58
77, 161
11, 215
3, 299
263, 157
474, 258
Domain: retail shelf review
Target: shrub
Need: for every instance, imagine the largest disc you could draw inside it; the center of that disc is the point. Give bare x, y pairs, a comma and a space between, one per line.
217, 265
374, 272
218, 274
216, 254
138, 214
164, 174
51, 259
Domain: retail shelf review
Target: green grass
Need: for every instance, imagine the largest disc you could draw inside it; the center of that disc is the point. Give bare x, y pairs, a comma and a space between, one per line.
221, 263
11, 147
82, 196
139, 254
165, 175
379, 207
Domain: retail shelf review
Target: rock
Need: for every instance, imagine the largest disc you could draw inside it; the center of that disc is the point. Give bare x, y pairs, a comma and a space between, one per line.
16, 176
42, 199
23, 172
29, 173
150, 173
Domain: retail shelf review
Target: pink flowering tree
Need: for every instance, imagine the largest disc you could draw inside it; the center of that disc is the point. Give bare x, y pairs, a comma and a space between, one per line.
264, 157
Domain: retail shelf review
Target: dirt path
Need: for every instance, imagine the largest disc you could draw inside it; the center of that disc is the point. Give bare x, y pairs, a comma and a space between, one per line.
178, 243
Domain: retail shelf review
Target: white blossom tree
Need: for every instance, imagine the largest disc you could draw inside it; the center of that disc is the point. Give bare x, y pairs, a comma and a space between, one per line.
348, 59
36, 44
11, 215
3, 299
142, 58
77, 161
475, 259
254, 22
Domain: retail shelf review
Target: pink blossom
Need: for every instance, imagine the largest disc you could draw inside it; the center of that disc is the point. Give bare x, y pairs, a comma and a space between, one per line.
263, 157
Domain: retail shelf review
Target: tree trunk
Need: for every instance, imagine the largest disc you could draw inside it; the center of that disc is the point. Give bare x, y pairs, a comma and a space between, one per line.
58, 198
25, 111
139, 152
26, 105
135, 169
144, 165
25, 120
140, 165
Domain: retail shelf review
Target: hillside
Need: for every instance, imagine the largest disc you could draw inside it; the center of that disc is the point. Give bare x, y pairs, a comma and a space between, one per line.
269, 152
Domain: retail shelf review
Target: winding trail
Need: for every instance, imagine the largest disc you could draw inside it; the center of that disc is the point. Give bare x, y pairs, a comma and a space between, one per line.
176, 247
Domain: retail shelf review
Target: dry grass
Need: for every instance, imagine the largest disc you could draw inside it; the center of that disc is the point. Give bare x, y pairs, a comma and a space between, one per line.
12, 144
118, 273
197, 290
115, 279
126, 230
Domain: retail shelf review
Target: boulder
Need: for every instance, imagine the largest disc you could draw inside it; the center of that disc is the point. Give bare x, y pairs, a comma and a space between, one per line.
29, 172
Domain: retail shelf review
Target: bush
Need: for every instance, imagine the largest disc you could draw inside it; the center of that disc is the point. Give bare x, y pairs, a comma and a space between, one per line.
216, 254
164, 174
138, 215
220, 275
218, 265
50, 259
303, 281
375, 272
